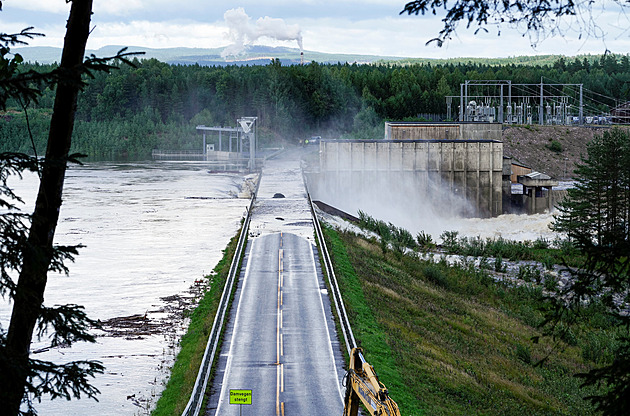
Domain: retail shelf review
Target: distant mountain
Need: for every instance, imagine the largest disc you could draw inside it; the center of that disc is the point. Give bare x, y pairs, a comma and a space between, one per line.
254, 55
262, 55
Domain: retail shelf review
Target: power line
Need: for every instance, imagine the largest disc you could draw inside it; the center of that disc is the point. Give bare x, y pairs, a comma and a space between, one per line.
551, 103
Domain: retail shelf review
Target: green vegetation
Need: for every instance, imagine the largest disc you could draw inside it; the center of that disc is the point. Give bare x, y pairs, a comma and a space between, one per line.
184, 372
450, 341
390, 235
365, 321
561, 252
596, 218
156, 105
554, 146
526, 60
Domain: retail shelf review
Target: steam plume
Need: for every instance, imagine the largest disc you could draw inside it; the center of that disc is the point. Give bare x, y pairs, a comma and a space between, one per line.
242, 32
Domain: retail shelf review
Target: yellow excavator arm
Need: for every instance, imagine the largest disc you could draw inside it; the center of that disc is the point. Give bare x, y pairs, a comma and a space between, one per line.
362, 384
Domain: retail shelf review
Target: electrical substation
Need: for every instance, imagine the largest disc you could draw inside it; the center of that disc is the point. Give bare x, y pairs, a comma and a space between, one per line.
505, 102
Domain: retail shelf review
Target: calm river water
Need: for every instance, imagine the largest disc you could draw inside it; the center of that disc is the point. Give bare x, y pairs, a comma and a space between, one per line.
150, 230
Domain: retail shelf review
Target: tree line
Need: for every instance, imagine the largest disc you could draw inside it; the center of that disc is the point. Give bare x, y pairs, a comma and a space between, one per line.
157, 105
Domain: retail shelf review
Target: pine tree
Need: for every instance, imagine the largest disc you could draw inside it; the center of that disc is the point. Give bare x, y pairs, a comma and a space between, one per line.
27, 248
596, 218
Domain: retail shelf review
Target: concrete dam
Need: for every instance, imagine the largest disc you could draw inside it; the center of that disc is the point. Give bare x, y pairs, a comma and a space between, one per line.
415, 177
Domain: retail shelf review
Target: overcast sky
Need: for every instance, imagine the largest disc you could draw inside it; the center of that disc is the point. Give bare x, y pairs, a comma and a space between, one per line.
341, 26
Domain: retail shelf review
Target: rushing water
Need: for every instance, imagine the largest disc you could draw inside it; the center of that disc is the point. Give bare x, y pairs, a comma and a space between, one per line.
428, 213
150, 231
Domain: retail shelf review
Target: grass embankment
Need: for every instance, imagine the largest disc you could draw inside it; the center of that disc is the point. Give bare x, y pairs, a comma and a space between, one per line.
451, 341
193, 344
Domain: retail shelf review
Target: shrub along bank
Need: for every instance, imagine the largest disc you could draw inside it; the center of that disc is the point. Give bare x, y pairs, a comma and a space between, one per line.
449, 340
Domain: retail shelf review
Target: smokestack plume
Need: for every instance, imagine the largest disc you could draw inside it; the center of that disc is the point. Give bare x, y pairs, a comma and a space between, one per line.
242, 32
301, 57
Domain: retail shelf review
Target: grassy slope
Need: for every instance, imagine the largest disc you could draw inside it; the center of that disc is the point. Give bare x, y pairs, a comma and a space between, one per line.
448, 341
184, 372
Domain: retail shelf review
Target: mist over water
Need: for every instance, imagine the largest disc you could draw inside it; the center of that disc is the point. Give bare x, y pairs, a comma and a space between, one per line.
431, 209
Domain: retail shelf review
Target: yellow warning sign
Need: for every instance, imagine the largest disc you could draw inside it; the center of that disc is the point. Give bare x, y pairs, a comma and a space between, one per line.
240, 397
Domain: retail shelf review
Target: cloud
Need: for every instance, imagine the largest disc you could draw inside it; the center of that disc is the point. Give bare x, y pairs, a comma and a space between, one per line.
342, 26
407, 36
118, 7
48, 6
157, 34
113, 7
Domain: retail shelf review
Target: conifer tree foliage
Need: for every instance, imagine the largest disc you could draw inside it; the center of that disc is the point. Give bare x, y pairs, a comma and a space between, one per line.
27, 250
154, 105
538, 18
596, 218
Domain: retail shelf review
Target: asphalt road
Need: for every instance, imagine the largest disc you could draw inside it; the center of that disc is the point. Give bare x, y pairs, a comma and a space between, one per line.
280, 343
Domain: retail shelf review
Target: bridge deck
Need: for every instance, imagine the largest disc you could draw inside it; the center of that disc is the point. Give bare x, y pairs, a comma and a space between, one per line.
280, 342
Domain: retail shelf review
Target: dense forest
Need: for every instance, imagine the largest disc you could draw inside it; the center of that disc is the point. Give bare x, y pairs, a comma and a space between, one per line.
156, 105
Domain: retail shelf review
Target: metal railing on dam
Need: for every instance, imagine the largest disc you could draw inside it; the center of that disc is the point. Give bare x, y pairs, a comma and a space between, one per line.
196, 399
344, 322
194, 406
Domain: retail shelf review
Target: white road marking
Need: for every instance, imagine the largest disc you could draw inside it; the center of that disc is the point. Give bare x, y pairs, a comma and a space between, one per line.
228, 364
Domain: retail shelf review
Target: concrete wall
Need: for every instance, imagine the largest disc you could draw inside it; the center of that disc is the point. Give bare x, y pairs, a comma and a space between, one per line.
482, 131
442, 131
442, 172
533, 204
526, 204
220, 155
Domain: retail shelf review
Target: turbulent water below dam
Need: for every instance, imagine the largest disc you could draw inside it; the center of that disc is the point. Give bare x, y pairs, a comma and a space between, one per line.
151, 231
430, 219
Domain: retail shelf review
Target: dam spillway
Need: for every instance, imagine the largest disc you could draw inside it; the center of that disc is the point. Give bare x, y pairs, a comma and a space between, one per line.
455, 177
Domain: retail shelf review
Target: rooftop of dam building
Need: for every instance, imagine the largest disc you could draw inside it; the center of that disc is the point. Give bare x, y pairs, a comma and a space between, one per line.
405, 130
537, 179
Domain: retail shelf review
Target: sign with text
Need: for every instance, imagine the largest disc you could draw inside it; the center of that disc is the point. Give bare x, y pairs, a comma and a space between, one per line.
240, 397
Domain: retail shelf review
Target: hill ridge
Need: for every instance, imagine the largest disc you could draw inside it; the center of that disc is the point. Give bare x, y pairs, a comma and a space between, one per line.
261, 55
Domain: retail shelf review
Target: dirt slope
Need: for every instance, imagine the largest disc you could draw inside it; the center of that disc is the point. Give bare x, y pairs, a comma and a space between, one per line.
531, 146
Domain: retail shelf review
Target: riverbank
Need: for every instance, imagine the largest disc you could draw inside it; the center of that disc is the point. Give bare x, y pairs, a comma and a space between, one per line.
449, 340
553, 150
175, 396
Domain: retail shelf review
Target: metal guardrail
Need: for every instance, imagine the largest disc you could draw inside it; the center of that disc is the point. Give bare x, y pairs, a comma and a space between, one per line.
196, 398
346, 329
193, 407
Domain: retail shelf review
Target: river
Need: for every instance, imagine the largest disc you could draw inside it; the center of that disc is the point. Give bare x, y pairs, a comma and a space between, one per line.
151, 231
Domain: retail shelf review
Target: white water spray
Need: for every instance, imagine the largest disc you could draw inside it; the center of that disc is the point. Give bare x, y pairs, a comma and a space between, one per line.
434, 211
243, 32
423, 205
